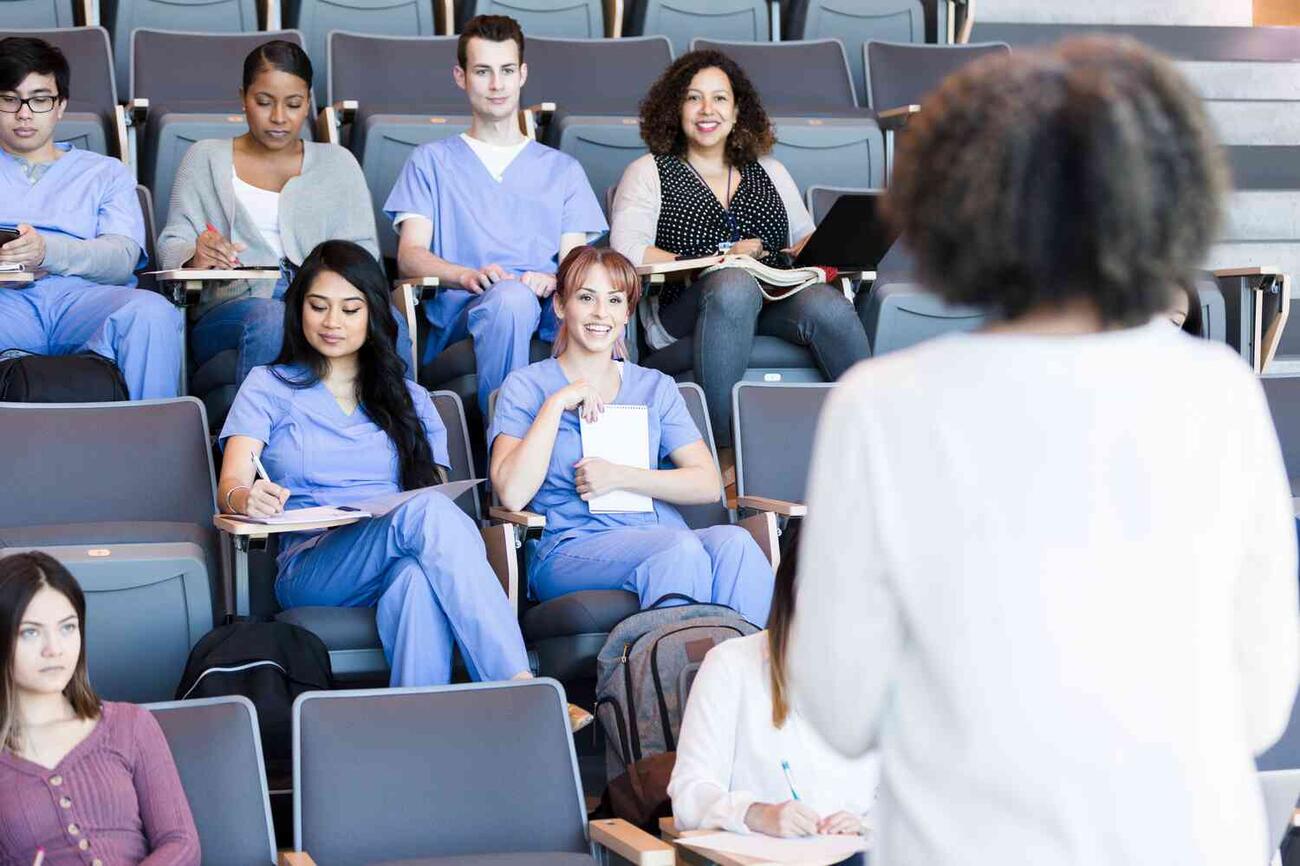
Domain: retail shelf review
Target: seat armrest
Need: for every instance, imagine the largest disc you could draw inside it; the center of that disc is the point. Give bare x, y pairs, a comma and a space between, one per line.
631, 843
614, 11
444, 17
422, 288
1268, 286
763, 529
894, 119
296, 858
501, 546
269, 12
775, 506
332, 117
407, 294
526, 519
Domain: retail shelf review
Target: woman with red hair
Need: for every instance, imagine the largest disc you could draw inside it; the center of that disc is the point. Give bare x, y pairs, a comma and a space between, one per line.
537, 461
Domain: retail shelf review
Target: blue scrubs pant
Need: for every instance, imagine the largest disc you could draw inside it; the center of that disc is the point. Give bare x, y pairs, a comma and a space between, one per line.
501, 321
255, 327
424, 566
138, 330
720, 564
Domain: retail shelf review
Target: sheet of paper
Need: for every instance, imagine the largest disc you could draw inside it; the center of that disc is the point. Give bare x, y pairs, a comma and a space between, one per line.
621, 435
381, 505
318, 513
805, 850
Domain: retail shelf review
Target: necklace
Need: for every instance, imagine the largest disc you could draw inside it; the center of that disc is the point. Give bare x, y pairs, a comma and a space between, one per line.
733, 229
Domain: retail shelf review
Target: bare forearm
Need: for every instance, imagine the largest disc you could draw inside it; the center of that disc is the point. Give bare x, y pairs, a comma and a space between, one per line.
690, 485
518, 475
413, 261
654, 256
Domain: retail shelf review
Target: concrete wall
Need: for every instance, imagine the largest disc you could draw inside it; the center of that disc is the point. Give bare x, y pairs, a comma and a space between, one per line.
1221, 12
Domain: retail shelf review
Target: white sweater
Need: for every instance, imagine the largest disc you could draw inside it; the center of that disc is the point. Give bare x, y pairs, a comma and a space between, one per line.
1054, 581
729, 754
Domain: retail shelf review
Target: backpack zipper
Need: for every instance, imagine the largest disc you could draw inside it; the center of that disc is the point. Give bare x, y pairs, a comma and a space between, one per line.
233, 669
631, 702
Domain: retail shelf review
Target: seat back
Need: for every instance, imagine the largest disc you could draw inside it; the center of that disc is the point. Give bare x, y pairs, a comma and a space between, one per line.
89, 122
901, 74
145, 280
124, 17
855, 23
581, 19
218, 753
34, 14
899, 315
410, 74
604, 145
561, 71
820, 199
683, 20
804, 77
1281, 791
776, 424
830, 151
712, 513
318, 19
461, 757
452, 413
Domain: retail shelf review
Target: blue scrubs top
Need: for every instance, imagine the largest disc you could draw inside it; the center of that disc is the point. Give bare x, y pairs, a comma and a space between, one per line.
82, 195
515, 223
324, 456
567, 516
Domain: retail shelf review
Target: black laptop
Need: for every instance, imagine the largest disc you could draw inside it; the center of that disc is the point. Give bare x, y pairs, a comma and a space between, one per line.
853, 236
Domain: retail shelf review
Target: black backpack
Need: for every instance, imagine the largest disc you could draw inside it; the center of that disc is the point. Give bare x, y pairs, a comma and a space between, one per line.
84, 378
270, 663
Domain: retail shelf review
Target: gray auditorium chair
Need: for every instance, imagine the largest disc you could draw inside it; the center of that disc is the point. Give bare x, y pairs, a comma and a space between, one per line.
191, 81
578, 19
820, 199
123, 493
683, 20
124, 17
855, 23
776, 424
93, 120
809, 78
831, 151
318, 19
597, 126
393, 93
481, 775
1281, 790
901, 74
349, 633
34, 14
898, 315
218, 753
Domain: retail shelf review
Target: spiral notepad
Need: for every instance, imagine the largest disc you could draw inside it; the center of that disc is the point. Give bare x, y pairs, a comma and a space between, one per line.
621, 435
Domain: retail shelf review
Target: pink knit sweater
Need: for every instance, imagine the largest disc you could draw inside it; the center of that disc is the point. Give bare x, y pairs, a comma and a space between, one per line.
114, 800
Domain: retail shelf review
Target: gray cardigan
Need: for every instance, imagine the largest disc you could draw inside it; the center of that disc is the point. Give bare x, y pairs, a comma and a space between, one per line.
328, 201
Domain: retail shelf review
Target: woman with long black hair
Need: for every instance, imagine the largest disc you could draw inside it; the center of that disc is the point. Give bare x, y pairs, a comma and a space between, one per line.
335, 423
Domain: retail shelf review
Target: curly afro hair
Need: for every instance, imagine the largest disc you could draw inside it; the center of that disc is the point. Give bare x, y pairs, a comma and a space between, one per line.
661, 110
1085, 171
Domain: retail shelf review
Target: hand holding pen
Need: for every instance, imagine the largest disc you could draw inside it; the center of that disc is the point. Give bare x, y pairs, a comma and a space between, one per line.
264, 497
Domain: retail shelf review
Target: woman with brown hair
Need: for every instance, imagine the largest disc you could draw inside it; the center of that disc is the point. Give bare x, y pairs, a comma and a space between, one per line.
537, 462
710, 185
746, 760
85, 781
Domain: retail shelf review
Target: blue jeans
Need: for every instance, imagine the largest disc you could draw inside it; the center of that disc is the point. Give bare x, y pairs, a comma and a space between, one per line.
255, 326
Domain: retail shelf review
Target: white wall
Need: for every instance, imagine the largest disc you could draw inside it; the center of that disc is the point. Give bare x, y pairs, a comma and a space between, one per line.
1222, 12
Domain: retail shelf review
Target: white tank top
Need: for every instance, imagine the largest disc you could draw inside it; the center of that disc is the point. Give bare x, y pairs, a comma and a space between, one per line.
264, 207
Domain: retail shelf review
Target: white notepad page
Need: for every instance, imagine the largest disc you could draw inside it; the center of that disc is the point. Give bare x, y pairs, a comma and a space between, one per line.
621, 435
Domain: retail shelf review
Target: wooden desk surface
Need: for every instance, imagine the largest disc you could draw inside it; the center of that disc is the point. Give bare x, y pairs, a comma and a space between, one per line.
214, 275
235, 526
17, 277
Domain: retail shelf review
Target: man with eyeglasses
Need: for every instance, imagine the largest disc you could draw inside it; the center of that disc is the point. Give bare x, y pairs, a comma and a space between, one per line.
80, 231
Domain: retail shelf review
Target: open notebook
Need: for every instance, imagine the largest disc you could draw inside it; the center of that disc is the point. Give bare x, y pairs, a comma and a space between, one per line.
377, 507
621, 435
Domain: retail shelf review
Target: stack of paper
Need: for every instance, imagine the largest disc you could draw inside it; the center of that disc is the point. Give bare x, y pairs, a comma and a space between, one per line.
759, 849
317, 514
620, 435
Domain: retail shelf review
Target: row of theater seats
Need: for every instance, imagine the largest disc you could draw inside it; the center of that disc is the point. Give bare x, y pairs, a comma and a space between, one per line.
853, 21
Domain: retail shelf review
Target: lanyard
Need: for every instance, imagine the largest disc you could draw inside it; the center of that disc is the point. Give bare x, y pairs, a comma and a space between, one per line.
733, 228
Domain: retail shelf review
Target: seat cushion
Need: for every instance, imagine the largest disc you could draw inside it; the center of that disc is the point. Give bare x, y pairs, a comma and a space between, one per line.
768, 353
340, 628
529, 858
593, 611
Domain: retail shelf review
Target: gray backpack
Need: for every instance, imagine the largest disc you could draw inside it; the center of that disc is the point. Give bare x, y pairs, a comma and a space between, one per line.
644, 673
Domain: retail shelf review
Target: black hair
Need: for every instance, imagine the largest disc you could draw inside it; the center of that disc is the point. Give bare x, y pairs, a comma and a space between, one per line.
492, 28
381, 384
280, 55
1194, 324
1087, 171
20, 56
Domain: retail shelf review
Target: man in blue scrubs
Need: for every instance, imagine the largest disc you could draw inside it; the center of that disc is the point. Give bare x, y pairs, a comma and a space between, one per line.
490, 213
80, 231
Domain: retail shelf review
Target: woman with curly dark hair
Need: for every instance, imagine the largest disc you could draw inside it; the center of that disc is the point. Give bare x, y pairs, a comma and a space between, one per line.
997, 586
709, 185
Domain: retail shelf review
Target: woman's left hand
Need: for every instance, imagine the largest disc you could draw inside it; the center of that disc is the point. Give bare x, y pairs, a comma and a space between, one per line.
841, 824
752, 247
596, 476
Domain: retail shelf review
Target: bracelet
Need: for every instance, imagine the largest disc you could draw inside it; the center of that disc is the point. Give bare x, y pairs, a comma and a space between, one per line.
230, 508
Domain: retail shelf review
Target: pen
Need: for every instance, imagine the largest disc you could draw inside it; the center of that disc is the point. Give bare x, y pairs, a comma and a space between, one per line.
785, 768
40, 857
260, 469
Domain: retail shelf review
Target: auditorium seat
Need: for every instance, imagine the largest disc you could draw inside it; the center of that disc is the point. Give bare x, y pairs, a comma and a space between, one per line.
217, 748
820, 199
126, 499
900, 74
404, 96
776, 425
683, 20
93, 120
897, 315
192, 83
855, 23
38, 14
596, 125
480, 774
317, 20
124, 17
576, 19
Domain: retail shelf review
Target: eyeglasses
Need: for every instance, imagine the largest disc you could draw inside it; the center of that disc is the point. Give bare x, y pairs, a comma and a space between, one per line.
38, 104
